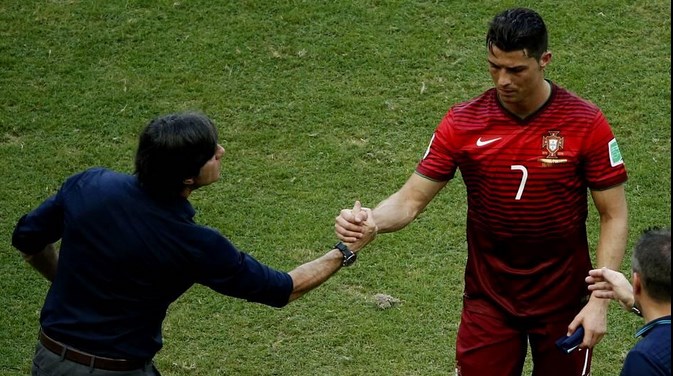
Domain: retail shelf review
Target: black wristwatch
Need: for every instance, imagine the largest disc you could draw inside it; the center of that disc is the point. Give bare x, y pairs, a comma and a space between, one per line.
349, 256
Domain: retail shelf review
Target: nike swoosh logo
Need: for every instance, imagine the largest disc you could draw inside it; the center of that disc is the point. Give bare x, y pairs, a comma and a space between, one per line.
486, 142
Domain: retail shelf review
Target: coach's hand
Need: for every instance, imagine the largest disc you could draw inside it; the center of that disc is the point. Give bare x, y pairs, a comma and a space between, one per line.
610, 284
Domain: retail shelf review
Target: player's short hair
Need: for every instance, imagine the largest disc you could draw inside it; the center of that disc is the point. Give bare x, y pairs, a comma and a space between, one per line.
518, 29
652, 261
173, 148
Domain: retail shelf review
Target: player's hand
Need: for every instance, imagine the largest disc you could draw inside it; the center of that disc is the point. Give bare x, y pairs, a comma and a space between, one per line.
593, 317
355, 227
609, 284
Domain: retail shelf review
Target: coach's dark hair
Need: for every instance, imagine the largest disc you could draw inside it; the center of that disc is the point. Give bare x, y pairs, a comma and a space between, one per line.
652, 261
173, 148
518, 29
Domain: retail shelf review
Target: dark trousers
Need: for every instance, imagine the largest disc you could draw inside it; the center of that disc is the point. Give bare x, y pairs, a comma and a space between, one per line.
47, 363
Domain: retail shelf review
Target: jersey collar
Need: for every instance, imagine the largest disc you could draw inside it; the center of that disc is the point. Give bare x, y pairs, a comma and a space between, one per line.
533, 115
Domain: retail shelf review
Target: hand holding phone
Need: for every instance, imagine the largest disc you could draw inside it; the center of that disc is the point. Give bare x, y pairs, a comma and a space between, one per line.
569, 343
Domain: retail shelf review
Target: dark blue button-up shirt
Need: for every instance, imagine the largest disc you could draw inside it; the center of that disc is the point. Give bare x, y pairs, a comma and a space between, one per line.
124, 257
651, 356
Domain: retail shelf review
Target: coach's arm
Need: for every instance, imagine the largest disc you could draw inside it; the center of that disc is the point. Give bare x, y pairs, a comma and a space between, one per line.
45, 261
312, 274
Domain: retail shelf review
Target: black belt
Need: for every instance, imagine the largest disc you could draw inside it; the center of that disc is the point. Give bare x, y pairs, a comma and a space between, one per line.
90, 360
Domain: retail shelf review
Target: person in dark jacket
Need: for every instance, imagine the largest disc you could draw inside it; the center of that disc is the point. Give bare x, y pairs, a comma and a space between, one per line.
129, 247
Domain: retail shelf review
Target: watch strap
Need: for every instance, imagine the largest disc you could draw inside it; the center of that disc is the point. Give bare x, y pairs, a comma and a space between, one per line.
349, 256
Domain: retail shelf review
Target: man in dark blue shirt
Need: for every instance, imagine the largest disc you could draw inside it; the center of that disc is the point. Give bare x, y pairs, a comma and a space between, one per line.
130, 247
650, 296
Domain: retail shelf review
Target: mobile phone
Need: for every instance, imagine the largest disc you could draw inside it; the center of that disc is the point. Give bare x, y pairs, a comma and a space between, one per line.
569, 343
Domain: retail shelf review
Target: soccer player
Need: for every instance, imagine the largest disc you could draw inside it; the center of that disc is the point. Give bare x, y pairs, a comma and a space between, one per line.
650, 297
130, 247
528, 151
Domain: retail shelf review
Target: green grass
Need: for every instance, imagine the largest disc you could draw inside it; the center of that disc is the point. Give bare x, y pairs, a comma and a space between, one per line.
318, 103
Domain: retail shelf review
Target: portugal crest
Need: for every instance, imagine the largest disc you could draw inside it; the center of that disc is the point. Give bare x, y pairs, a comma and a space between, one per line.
552, 144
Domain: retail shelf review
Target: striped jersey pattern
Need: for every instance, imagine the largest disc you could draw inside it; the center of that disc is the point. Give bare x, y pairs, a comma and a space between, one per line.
526, 182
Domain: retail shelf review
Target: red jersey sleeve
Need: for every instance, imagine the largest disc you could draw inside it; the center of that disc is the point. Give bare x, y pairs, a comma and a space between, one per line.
604, 166
438, 162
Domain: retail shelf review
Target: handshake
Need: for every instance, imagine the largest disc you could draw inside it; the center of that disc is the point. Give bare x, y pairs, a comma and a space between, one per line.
355, 227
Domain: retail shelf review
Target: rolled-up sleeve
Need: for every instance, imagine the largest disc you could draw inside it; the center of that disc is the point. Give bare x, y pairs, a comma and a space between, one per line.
40, 227
237, 274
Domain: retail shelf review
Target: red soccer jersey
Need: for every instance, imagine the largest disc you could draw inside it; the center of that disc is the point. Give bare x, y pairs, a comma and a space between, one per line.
526, 184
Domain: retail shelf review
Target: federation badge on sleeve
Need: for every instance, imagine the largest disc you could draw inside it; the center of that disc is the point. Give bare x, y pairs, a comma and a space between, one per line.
615, 154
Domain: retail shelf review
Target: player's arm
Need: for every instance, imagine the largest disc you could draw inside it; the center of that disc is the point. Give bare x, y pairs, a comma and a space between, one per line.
45, 262
391, 214
401, 208
611, 206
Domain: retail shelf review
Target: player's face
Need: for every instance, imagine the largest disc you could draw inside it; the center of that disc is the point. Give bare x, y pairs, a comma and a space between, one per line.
210, 172
518, 78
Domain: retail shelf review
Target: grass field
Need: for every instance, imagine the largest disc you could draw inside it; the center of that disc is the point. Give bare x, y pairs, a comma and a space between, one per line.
318, 103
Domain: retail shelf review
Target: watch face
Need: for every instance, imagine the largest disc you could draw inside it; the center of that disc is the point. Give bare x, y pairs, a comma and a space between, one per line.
350, 259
